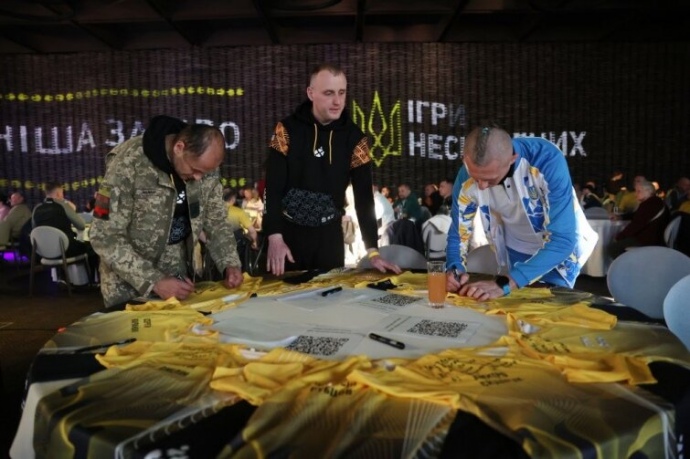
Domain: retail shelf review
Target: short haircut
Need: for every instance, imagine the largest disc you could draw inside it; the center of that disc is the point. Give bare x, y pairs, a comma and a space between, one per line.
199, 137
333, 68
481, 135
448, 180
51, 186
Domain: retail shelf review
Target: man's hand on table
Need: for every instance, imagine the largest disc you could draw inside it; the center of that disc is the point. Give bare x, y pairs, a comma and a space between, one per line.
481, 290
485, 290
278, 251
233, 277
455, 280
169, 287
382, 265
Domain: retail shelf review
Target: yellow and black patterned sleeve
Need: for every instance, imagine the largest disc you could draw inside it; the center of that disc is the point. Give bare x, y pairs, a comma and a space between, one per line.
280, 141
360, 155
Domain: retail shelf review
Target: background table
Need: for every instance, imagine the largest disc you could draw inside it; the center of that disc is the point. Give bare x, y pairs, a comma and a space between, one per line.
598, 263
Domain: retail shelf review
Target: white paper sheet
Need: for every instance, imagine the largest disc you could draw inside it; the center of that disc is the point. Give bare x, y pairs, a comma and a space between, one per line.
458, 331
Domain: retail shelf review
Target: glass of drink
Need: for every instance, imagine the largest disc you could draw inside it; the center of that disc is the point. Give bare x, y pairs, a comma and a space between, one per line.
436, 281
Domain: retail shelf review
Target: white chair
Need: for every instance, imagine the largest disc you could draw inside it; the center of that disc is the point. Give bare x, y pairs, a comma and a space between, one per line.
671, 231
676, 308
401, 255
51, 245
641, 278
482, 260
435, 235
596, 213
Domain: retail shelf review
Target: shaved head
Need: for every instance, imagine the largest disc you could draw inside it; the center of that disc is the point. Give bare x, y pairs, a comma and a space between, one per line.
487, 143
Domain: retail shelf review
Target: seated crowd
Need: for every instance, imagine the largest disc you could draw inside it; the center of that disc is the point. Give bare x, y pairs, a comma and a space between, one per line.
645, 205
401, 214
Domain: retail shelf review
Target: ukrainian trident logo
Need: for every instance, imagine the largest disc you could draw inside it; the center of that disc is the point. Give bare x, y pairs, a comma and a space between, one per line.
385, 130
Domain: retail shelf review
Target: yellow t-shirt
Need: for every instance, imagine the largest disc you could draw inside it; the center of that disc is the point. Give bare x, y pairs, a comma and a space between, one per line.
627, 202
238, 218
685, 207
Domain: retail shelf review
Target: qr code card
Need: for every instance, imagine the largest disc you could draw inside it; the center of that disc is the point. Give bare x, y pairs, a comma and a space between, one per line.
460, 331
325, 343
387, 302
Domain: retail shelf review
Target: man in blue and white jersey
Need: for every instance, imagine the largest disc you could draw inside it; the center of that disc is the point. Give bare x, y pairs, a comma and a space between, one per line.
523, 192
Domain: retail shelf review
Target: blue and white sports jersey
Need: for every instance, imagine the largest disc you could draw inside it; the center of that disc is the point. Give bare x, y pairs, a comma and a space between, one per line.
532, 220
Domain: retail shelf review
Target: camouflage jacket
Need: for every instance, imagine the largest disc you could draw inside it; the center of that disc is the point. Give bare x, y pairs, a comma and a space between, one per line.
132, 234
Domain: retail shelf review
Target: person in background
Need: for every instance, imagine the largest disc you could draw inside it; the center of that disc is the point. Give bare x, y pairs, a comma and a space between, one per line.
679, 194
318, 149
239, 220
647, 224
161, 190
55, 199
521, 188
385, 215
432, 198
407, 205
386, 192
16, 218
626, 200
589, 197
4, 206
445, 190
253, 205
59, 213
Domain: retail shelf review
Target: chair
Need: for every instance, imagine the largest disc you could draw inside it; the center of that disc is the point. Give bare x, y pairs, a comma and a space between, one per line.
401, 255
596, 213
435, 235
255, 260
404, 232
676, 307
482, 260
51, 245
671, 231
641, 278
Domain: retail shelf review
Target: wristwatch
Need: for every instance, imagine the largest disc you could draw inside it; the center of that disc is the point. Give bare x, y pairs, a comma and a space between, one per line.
504, 283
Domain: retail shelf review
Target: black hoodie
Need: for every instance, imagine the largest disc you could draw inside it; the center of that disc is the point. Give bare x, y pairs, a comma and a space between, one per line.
308, 155
154, 149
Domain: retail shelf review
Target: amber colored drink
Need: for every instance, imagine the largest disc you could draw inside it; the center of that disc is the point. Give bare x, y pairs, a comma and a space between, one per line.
437, 289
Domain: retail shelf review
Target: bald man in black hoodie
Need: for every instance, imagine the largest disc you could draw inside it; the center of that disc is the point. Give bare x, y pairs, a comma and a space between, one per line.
313, 155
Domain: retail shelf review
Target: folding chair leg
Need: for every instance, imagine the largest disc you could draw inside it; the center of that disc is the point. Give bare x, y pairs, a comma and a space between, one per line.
31, 270
67, 278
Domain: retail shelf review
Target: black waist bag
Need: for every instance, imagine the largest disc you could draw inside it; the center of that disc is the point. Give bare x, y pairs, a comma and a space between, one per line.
309, 208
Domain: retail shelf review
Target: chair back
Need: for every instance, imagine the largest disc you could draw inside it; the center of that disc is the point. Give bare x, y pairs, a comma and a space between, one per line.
482, 260
676, 308
671, 231
641, 278
401, 255
49, 242
404, 232
596, 213
435, 235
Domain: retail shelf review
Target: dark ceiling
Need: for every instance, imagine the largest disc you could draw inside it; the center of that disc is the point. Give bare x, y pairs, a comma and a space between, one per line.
63, 26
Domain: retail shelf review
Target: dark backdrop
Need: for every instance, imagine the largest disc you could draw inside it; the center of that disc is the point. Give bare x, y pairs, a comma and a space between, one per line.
607, 106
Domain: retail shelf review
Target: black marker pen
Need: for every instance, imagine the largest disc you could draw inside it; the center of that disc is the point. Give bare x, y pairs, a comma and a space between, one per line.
333, 290
388, 341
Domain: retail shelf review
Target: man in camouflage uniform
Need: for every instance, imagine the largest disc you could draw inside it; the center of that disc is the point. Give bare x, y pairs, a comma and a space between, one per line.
159, 192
